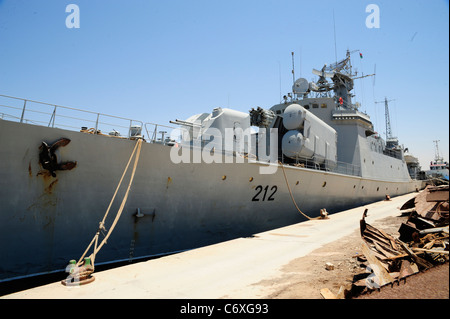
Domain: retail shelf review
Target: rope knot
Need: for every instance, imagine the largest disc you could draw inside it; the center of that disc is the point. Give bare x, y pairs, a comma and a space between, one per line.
101, 226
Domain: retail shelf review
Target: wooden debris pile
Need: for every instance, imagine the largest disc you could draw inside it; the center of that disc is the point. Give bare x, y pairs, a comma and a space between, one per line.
426, 229
422, 244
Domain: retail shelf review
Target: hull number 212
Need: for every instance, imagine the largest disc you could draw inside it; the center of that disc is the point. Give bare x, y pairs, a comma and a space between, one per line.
264, 193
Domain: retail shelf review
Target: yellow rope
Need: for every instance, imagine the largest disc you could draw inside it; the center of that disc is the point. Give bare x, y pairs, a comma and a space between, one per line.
119, 213
292, 196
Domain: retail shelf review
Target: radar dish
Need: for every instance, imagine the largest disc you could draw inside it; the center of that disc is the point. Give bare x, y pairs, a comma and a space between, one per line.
300, 86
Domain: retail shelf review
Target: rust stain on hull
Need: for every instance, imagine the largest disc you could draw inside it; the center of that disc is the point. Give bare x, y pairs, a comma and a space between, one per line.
49, 188
49, 182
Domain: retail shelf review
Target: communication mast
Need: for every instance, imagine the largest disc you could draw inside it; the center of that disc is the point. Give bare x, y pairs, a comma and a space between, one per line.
436, 151
390, 140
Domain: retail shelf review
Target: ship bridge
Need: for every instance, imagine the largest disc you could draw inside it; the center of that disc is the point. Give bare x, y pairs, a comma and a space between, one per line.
357, 142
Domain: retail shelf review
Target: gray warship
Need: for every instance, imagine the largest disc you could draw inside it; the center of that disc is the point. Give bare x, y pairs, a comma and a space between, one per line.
210, 178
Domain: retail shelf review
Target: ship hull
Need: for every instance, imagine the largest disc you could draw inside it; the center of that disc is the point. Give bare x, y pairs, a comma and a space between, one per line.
48, 220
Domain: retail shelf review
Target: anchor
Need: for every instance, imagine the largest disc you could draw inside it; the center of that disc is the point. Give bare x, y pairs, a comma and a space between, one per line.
48, 159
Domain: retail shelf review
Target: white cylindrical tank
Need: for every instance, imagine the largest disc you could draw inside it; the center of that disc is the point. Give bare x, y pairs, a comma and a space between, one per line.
308, 137
293, 145
294, 117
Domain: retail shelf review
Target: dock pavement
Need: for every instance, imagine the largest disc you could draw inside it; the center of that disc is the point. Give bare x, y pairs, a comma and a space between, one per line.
233, 269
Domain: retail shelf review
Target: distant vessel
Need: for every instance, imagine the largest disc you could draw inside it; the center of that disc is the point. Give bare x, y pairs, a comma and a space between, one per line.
438, 168
223, 178
414, 168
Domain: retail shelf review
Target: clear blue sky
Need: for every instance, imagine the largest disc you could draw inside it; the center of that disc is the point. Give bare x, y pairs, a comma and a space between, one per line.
162, 60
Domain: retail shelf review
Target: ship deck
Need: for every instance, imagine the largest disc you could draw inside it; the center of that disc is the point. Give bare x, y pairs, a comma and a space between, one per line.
239, 268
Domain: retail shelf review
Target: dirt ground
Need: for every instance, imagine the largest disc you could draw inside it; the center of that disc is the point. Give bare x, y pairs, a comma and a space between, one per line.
303, 278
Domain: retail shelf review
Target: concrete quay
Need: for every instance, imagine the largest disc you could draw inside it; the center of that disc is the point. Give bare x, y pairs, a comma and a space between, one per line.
234, 269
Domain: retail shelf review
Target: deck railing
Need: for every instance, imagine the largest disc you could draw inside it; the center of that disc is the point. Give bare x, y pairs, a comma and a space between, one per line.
58, 116
328, 166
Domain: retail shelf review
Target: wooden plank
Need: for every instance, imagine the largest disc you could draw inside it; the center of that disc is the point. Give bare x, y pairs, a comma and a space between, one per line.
434, 230
327, 294
378, 268
377, 237
383, 238
400, 256
432, 251
438, 196
420, 261
386, 251
391, 240
375, 253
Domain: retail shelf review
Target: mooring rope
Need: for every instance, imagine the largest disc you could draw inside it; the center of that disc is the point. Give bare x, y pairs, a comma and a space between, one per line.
137, 150
292, 197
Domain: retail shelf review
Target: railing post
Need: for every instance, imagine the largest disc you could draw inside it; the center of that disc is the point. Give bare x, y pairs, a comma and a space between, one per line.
52, 118
96, 123
23, 111
129, 129
154, 133
146, 130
